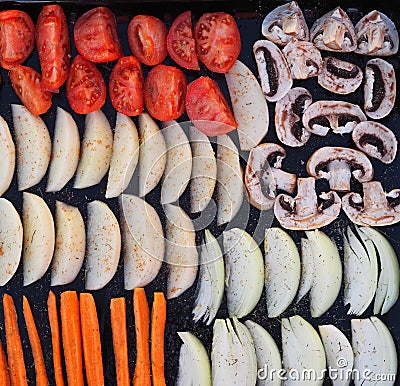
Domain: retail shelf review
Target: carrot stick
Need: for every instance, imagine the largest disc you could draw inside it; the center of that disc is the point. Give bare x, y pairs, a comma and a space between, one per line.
55, 338
142, 320
4, 374
15, 353
158, 319
40, 367
120, 340
91, 341
71, 336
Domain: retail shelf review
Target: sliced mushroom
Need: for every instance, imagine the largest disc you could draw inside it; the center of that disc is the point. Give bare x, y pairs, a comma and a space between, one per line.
376, 35
379, 88
288, 113
339, 76
285, 22
338, 165
375, 140
303, 58
304, 212
273, 70
375, 208
334, 32
341, 117
264, 175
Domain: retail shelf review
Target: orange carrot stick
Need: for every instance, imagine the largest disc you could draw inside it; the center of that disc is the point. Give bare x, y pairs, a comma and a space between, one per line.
4, 374
71, 336
158, 319
120, 340
55, 338
15, 353
91, 341
142, 320
40, 367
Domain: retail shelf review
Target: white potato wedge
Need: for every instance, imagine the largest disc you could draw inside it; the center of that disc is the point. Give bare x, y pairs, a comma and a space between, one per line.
142, 241
229, 180
181, 253
339, 354
33, 145
282, 262
249, 105
103, 245
7, 159
152, 154
70, 244
96, 151
11, 236
244, 268
65, 152
39, 237
307, 269
204, 170
178, 167
125, 155
194, 364
269, 362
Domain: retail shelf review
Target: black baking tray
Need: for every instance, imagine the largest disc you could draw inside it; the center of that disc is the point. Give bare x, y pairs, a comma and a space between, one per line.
249, 16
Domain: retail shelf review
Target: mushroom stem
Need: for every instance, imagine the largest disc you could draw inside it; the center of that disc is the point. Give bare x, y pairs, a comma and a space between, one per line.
283, 180
339, 175
374, 196
306, 199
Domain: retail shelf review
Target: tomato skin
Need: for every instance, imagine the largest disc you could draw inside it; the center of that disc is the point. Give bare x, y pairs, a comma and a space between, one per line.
26, 82
207, 108
96, 36
164, 92
126, 86
86, 90
147, 37
17, 38
181, 44
217, 41
53, 45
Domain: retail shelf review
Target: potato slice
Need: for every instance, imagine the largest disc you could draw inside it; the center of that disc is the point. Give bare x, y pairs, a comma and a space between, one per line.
7, 159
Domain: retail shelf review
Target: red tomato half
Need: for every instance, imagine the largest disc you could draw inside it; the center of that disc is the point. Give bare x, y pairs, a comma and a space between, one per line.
86, 90
17, 38
180, 42
217, 41
164, 92
207, 108
27, 85
147, 37
96, 37
54, 47
126, 86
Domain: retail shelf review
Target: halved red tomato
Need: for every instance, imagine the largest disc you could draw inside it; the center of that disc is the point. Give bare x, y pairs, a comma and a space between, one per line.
217, 41
53, 45
96, 36
147, 37
180, 42
17, 38
207, 108
164, 92
86, 90
26, 83
126, 86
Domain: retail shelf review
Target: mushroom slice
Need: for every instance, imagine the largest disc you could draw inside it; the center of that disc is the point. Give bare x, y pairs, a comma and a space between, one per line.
375, 140
334, 32
376, 208
379, 88
273, 70
288, 113
7, 159
284, 23
304, 212
340, 77
342, 117
264, 175
376, 35
303, 58
338, 165
33, 147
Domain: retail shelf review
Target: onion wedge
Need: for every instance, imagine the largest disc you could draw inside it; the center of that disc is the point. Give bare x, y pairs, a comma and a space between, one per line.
307, 269
7, 159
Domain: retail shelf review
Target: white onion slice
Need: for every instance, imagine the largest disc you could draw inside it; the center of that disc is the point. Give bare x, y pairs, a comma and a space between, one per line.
307, 269
7, 159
